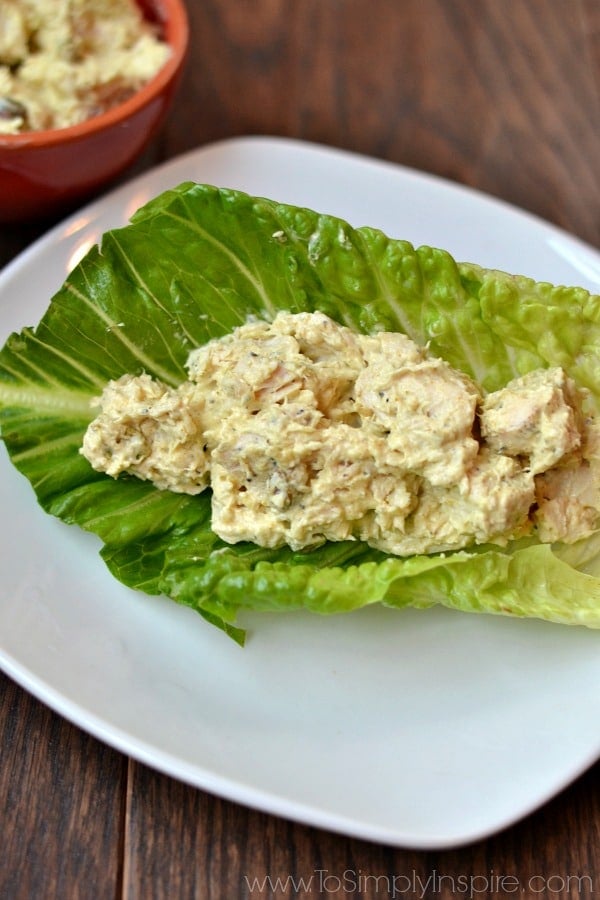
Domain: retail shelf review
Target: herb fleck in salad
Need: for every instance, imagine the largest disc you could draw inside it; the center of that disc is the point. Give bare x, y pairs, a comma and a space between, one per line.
199, 263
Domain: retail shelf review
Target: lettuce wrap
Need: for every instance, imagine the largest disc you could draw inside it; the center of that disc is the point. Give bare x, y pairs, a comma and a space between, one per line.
198, 261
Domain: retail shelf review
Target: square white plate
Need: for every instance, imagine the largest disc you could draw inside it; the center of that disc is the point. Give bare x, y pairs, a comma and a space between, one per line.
424, 729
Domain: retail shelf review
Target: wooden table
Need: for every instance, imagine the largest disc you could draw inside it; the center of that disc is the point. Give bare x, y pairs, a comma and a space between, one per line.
498, 94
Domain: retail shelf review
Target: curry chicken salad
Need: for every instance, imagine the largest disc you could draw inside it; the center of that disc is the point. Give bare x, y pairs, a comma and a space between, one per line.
309, 432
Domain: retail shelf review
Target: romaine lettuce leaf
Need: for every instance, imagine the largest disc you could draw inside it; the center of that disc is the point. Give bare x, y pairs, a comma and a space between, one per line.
194, 263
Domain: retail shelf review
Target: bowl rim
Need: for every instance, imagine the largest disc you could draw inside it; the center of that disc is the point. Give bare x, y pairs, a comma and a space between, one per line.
175, 21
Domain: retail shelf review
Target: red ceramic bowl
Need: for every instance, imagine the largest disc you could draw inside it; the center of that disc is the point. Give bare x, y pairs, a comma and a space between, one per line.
45, 172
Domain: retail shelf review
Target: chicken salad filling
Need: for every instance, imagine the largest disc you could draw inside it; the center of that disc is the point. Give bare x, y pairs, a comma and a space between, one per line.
309, 432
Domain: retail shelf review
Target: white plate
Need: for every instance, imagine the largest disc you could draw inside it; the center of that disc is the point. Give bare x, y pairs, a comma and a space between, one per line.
424, 729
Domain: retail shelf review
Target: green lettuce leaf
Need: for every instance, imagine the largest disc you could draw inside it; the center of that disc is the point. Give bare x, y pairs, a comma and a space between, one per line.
193, 264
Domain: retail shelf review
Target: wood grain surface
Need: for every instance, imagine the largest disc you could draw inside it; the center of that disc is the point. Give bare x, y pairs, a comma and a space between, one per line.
502, 95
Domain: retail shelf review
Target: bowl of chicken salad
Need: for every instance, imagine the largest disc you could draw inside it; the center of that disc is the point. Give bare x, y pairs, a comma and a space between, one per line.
84, 85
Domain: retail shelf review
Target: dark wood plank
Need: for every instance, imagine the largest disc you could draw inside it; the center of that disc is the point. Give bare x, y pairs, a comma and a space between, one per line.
183, 843
591, 25
61, 816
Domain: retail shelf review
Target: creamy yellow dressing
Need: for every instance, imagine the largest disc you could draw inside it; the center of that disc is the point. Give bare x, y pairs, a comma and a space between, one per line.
64, 61
307, 431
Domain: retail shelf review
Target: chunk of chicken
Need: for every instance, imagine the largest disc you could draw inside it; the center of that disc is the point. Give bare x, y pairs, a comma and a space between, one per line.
490, 504
286, 476
568, 502
151, 431
305, 358
335, 358
536, 417
426, 410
